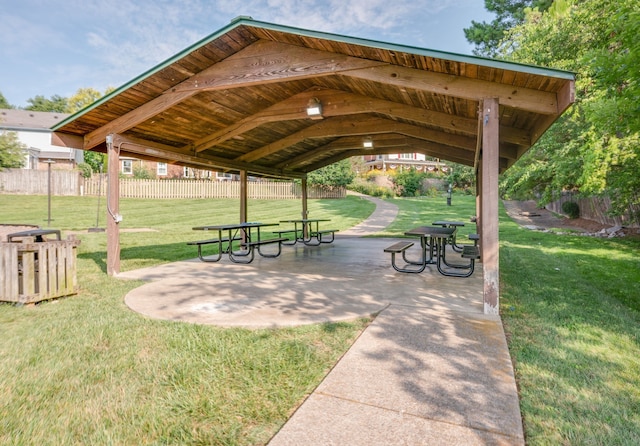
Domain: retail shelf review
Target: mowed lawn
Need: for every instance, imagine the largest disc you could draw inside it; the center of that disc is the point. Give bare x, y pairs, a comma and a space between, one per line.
86, 370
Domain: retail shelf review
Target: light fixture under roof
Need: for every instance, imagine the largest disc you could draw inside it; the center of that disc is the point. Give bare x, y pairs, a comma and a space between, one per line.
314, 108
367, 143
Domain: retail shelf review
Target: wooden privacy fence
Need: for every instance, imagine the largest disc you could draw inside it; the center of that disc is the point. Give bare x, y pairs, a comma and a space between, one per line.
32, 272
596, 209
138, 188
36, 182
63, 182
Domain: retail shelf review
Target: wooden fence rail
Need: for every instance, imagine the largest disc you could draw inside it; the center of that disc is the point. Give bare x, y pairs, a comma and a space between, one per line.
266, 190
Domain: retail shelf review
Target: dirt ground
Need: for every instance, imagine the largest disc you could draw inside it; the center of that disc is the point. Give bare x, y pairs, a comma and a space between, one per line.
10, 229
527, 213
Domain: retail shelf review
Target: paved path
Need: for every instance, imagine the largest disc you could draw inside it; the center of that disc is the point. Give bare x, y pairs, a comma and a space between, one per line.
431, 369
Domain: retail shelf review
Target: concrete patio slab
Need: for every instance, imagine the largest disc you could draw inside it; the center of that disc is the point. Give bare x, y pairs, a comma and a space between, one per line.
431, 369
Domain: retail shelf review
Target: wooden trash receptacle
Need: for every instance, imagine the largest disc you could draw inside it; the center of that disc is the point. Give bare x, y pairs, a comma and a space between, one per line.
32, 271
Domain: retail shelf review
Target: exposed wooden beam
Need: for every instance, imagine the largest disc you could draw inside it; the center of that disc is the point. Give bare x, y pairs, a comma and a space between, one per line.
346, 143
341, 103
266, 62
345, 126
167, 153
134, 117
449, 85
416, 145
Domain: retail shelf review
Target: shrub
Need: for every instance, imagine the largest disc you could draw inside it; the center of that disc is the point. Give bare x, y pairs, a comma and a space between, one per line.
85, 170
571, 208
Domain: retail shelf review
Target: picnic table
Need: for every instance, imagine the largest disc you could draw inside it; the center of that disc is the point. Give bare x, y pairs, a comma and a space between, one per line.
307, 231
451, 224
433, 244
430, 238
241, 233
38, 234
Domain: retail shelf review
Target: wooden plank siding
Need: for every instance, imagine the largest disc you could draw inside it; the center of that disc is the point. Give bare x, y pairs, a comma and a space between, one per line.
32, 272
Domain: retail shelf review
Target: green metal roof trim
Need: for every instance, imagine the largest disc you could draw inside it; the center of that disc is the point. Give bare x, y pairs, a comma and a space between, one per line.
248, 21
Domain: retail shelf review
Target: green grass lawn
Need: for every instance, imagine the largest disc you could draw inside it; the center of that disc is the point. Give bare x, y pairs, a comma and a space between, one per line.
87, 370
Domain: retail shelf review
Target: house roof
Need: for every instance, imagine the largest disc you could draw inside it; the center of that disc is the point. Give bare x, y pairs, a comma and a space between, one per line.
237, 100
24, 120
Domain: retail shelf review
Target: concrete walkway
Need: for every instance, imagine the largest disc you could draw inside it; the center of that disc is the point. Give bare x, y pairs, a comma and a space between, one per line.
431, 369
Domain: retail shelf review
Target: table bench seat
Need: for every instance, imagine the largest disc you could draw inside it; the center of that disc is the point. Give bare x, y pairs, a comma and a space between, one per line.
288, 241
471, 252
259, 243
211, 240
268, 241
400, 248
218, 241
319, 234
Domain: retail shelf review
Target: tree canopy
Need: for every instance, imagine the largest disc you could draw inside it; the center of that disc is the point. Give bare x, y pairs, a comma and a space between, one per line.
11, 151
338, 174
3, 102
594, 147
509, 13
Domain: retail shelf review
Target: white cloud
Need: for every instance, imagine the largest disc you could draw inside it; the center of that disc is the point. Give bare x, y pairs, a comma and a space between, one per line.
102, 43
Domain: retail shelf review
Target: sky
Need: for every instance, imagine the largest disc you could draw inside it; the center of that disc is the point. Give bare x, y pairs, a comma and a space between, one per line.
52, 47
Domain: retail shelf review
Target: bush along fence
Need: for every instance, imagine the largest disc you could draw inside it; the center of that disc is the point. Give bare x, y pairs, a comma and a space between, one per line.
17, 181
595, 209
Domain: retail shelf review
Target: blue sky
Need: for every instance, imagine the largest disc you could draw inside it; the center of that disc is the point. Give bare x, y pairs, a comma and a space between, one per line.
56, 47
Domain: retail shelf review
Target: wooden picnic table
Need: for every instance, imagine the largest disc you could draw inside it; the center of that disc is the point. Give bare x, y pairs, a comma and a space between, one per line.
241, 233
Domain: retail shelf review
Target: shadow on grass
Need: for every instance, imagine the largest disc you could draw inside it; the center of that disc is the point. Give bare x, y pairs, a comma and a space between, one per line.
140, 256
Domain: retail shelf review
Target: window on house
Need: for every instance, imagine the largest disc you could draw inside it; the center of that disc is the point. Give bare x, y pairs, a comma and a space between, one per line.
127, 167
162, 169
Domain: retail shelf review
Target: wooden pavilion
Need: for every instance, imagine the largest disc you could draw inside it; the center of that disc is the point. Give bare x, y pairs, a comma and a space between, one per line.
261, 99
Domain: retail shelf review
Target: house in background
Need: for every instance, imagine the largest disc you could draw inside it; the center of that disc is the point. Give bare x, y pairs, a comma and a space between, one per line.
33, 129
403, 161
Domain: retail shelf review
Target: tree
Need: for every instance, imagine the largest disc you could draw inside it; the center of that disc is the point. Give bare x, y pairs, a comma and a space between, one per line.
509, 13
594, 148
40, 103
462, 177
3, 102
81, 99
409, 182
96, 160
11, 151
338, 174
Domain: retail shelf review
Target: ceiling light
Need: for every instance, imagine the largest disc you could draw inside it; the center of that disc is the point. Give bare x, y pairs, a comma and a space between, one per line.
367, 143
314, 109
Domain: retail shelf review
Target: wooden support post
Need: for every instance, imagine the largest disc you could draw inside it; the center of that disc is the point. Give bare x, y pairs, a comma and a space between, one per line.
243, 201
489, 205
305, 210
479, 201
243, 196
113, 207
